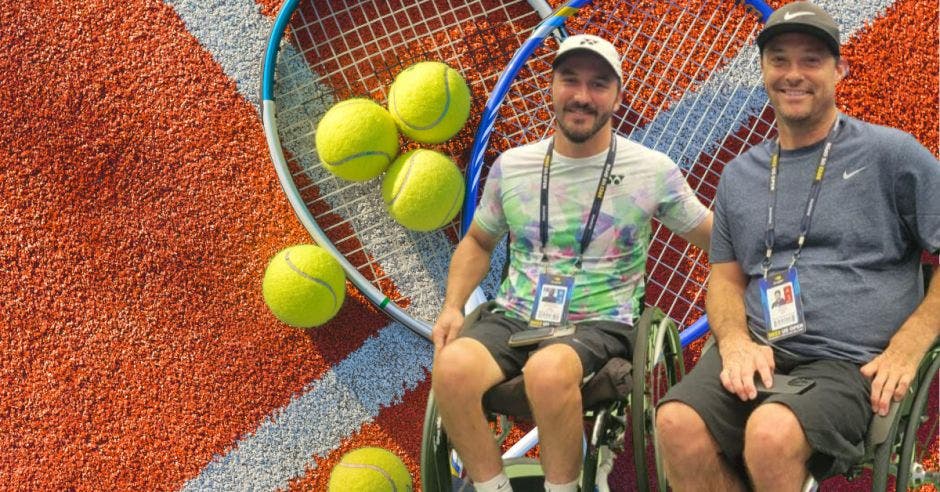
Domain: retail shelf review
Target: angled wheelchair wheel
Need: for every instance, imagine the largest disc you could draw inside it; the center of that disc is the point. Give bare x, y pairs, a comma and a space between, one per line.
435, 451
906, 451
657, 366
917, 458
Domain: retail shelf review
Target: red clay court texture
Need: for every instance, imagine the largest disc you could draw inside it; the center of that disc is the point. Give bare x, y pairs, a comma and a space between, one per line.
139, 208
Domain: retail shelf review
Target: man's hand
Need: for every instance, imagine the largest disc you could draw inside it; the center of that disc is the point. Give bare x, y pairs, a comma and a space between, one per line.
740, 360
891, 374
447, 327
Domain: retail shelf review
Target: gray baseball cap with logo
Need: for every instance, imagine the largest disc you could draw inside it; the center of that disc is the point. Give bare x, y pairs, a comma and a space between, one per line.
588, 43
802, 17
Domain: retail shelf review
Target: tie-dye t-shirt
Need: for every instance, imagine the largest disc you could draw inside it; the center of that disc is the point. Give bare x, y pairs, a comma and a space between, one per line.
643, 184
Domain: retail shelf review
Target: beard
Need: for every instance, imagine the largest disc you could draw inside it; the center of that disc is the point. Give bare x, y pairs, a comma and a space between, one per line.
581, 136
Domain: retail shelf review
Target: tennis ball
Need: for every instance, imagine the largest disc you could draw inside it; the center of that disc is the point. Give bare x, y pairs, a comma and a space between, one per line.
423, 190
304, 286
370, 470
357, 139
430, 102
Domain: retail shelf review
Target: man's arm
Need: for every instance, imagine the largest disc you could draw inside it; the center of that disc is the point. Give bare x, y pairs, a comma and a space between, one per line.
891, 372
741, 357
701, 234
468, 266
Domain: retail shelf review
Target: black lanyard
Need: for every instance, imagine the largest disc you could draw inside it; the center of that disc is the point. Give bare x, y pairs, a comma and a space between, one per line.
595, 208
769, 237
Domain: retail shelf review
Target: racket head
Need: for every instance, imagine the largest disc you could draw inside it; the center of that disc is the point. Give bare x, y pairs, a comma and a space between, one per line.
692, 90
320, 53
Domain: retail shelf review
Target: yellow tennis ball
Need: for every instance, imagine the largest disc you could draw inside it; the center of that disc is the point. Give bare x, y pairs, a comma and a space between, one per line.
357, 139
304, 286
423, 190
430, 102
370, 470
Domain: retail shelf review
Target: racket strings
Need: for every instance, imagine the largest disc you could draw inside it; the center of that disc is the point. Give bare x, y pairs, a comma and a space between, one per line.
337, 50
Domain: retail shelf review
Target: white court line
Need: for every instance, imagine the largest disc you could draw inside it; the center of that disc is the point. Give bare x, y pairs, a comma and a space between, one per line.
330, 409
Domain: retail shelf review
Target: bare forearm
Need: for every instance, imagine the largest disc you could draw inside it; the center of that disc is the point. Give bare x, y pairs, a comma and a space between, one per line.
468, 267
741, 358
725, 303
922, 328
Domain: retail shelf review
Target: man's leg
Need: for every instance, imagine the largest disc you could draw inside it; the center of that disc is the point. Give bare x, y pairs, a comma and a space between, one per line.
700, 428
821, 431
690, 452
463, 371
553, 386
776, 449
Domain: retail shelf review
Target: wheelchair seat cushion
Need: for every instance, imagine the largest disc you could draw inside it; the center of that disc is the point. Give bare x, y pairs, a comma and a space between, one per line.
612, 382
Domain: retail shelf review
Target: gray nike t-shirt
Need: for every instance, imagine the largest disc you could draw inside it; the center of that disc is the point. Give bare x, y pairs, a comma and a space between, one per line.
878, 208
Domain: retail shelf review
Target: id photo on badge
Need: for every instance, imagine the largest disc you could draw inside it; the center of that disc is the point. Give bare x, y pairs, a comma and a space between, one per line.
782, 308
782, 295
553, 294
551, 304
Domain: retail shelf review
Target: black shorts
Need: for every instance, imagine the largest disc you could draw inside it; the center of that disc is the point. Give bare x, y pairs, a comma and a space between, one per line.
835, 413
595, 342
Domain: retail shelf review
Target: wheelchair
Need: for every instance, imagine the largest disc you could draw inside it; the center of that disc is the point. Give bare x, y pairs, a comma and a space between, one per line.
619, 401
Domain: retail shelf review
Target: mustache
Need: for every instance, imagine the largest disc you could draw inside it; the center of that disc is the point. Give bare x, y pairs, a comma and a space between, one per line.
587, 108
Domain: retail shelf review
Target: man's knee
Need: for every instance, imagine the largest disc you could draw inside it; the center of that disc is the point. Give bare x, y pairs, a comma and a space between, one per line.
773, 432
551, 372
681, 430
464, 366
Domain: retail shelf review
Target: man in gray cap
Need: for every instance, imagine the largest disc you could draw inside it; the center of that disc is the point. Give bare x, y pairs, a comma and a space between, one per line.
590, 251
859, 321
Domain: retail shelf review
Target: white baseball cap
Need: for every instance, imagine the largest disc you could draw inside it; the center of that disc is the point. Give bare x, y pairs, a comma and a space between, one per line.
592, 44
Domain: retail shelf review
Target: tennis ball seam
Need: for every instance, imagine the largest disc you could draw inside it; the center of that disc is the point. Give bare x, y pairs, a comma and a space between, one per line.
367, 153
304, 274
380, 470
440, 117
404, 179
450, 210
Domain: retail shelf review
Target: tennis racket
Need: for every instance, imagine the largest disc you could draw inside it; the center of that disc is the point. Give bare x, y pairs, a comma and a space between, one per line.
320, 53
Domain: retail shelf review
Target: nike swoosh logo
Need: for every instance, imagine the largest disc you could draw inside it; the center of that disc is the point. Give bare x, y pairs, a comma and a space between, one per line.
848, 175
793, 15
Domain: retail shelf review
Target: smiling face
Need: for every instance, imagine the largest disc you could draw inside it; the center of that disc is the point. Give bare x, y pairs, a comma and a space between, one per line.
800, 76
585, 91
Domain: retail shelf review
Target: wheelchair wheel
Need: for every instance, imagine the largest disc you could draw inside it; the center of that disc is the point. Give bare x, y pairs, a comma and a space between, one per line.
657, 366
917, 463
435, 451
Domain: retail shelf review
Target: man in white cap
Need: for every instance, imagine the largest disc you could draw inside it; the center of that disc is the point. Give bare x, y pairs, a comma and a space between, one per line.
849, 206
575, 230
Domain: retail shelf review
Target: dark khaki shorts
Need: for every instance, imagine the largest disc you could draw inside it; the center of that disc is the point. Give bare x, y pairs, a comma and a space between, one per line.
594, 341
835, 414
